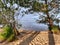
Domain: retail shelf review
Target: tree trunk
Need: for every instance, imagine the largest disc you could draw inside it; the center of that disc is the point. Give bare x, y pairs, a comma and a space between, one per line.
14, 27
15, 30
49, 19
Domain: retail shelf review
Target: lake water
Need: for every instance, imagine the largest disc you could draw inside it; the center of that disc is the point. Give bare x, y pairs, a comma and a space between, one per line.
29, 23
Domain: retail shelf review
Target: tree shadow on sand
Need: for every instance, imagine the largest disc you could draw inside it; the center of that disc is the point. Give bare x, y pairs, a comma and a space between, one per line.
23, 33
51, 39
29, 39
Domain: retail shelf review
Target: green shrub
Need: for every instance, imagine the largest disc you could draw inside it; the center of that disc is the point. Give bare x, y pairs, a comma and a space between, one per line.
2, 38
6, 33
11, 38
55, 29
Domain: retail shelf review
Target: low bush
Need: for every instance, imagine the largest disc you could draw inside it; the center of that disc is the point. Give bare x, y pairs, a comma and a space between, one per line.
6, 33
